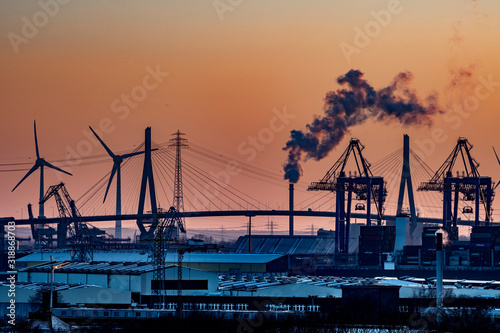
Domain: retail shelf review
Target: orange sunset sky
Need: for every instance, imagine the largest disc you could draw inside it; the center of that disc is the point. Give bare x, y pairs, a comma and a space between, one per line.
226, 68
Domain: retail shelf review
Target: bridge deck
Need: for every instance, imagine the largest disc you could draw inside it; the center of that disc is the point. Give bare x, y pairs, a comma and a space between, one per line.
105, 218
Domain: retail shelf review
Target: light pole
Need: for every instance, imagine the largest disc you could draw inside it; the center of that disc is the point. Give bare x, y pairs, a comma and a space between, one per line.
53, 268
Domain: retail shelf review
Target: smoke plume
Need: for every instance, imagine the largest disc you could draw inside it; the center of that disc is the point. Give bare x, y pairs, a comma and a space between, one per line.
446, 237
461, 81
354, 103
461, 78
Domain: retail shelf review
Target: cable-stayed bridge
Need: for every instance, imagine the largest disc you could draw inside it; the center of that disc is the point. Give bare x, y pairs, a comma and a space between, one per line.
212, 194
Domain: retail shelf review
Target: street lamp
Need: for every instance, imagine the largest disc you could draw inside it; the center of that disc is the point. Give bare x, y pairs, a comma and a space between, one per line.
53, 268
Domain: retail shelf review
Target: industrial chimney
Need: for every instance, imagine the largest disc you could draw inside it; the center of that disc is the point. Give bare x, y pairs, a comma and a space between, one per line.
439, 270
290, 221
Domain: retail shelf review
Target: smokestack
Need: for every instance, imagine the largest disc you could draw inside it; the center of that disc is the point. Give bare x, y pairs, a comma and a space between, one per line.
290, 221
250, 232
439, 270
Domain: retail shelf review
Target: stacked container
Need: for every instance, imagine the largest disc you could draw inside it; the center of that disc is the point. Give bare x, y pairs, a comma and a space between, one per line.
485, 246
373, 241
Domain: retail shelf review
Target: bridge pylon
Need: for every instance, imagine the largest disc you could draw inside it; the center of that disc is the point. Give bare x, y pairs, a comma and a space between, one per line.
147, 181
406, 183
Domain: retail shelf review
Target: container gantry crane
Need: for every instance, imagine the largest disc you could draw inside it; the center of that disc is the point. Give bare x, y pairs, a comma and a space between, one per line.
362, 183
470, 184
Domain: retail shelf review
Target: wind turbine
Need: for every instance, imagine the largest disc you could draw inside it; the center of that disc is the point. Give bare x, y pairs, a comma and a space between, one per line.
117, 161
40, 163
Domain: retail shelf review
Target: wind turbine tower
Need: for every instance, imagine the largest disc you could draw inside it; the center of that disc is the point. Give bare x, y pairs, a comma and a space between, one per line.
178, 142
39, 163
117, 161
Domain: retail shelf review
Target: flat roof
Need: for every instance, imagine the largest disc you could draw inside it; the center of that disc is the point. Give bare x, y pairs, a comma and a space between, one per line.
98, 268
142, 257
41, 286
284, 244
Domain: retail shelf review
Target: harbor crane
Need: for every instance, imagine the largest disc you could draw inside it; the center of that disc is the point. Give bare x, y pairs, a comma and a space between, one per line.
470, 184
364, 185
81, 238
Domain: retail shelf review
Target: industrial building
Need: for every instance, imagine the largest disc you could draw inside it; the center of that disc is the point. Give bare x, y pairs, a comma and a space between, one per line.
136, 278
287, 297
209, 262
293, 245
331, 287
74, 293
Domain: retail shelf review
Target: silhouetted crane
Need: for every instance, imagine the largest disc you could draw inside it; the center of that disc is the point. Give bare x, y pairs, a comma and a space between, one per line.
81, 237
470, 184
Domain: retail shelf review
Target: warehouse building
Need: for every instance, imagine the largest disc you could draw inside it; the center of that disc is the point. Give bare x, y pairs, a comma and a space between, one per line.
26, 296
136, 278
245, 263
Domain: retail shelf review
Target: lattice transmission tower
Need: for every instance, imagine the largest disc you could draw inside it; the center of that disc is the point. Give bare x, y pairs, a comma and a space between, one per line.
178, 142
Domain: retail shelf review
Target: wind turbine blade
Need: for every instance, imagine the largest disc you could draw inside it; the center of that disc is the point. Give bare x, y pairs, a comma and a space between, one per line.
115, 167
124, 156
55, 168
36, 141
27, 175
102, 143
496, 155
132, 154
498, 160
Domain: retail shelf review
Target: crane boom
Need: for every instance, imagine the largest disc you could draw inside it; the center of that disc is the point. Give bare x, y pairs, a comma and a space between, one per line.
81, 237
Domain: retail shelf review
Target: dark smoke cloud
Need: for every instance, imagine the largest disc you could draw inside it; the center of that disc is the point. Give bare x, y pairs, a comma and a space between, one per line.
352, 105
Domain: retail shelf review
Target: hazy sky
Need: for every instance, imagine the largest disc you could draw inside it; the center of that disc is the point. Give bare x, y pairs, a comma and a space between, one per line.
220, 71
